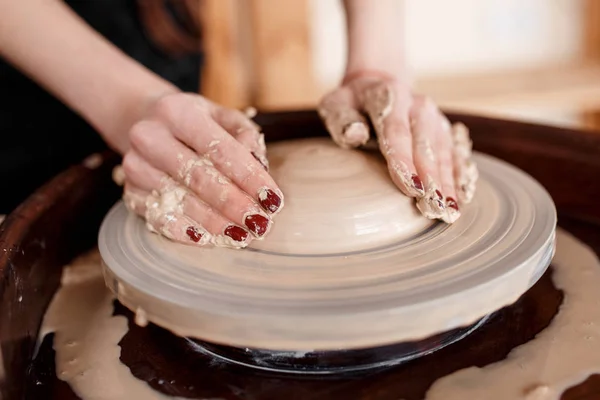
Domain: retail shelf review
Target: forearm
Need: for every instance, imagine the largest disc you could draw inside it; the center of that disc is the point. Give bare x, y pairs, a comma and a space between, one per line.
58, 50
376, 39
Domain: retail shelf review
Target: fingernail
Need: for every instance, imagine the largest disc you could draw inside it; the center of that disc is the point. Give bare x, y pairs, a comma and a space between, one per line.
193, 233
451, 203
269, 200
258, 224
417, 184
260, 161
237, 233
452, 212
432, 204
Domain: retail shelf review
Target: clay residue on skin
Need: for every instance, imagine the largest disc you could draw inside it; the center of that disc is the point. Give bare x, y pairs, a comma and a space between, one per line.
226, 241
261, 152
431, 205
250, 112
451, 215
93, 161
465, 169
168, 204
401, 172
118, 175
565, 354
87, 336
187, 169
378, 102
346, 125
263, 195
163, 208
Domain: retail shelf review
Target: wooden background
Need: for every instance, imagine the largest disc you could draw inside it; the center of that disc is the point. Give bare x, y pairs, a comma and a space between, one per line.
259, 53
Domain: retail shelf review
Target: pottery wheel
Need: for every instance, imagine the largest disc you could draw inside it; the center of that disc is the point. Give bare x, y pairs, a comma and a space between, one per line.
349, 263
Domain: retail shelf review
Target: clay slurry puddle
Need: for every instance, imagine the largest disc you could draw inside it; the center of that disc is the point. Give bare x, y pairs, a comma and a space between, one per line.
101, 354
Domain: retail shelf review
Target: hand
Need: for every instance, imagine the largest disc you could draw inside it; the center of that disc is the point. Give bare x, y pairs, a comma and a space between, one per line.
197, 172
427, 158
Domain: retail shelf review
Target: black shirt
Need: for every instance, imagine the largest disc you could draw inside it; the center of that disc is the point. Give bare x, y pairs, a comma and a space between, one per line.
39, 135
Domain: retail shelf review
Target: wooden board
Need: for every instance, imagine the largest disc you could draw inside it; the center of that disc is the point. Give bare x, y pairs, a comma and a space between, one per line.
225, 76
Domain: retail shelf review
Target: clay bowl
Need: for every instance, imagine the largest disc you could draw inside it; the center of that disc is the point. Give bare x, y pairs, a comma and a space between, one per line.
62, 218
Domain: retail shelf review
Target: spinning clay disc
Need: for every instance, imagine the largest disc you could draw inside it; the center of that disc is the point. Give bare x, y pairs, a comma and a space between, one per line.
336, 201
349, 263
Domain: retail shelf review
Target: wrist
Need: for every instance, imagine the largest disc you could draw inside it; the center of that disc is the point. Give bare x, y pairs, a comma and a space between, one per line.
385, 74
375, 31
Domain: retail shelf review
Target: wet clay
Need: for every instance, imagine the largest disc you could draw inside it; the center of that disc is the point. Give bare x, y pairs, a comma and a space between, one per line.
319, 180
564, 354
87, 336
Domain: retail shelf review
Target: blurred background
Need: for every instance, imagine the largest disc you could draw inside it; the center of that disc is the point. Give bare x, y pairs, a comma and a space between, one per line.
533, 60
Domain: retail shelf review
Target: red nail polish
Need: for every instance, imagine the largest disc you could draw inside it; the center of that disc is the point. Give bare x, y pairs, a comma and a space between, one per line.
257, 223
439, 195
260, 161
237, 233
416, 181
193, 233
450, 202
269, 200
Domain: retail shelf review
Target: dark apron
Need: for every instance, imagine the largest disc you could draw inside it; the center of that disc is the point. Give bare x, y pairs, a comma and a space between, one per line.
39, 136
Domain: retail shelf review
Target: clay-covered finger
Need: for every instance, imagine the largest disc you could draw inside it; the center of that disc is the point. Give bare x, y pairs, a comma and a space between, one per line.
171, 210
339, 111
465, 168
224, 233
169, 221
195, 127
201, 177
153, 195
244, 130
444, 152
425, 125
389, 116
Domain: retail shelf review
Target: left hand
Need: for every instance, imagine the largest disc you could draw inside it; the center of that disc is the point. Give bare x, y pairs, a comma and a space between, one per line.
427, 157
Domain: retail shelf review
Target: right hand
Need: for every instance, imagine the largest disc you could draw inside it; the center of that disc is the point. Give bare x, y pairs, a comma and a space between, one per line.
197, 173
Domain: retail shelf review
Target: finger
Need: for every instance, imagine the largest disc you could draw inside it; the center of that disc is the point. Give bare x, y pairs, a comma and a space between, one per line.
157, 145
255, 142
424, 123
174, 224
465, 169
244, 130
146, 191
168, 206
194, 126
339, 112
389, 116
446, 167
224, 233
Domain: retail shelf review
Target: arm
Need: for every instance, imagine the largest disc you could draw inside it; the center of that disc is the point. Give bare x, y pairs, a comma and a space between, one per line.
427, 158
376, 39
198, 165
57, 49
